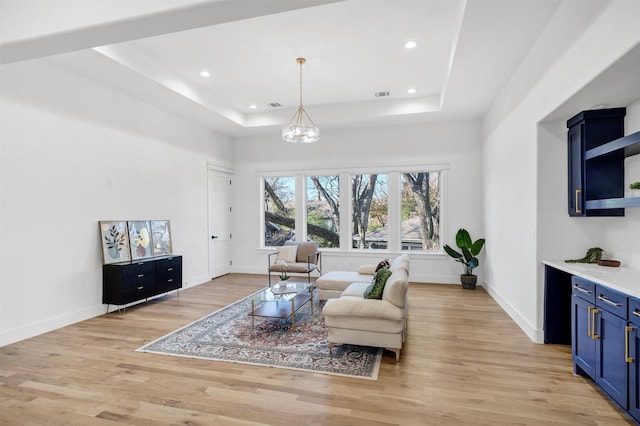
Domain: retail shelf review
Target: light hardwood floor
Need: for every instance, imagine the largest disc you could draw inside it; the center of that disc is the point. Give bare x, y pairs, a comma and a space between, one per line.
464, 362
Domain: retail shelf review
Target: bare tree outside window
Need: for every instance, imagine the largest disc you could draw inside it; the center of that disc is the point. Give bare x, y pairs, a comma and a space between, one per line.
420, 226
279, 210
370, 205
323, 210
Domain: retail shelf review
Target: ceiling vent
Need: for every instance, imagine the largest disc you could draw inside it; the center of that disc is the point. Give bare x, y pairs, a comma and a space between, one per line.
275, 105
381, 94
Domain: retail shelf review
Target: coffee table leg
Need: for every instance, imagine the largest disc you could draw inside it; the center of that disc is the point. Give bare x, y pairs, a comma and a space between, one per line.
293, 316
253, 318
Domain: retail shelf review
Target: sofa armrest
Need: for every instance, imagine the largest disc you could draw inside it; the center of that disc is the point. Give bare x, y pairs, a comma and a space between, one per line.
367, 269
363, 308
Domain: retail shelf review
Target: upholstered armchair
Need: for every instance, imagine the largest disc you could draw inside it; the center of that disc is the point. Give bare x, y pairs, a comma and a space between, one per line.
295, 257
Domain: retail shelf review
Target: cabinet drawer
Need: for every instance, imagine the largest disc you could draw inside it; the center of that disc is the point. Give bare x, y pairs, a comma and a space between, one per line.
584, 289
634, 311
611, 301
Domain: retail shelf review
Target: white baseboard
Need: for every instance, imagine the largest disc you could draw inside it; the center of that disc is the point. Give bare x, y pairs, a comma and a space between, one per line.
536, 335
40, 327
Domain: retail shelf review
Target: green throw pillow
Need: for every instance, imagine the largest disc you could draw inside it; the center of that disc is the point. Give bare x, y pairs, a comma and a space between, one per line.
374, 291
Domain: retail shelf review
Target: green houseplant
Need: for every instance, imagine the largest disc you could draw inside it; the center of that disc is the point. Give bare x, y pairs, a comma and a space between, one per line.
469, 249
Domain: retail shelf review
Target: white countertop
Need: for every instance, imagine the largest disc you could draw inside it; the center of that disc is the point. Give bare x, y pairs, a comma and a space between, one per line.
622, 279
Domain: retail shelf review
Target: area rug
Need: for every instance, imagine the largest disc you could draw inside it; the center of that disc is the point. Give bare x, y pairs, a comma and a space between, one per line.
227, 335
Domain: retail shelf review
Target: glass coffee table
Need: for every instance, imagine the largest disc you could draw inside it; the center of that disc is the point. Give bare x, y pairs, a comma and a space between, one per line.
281, 301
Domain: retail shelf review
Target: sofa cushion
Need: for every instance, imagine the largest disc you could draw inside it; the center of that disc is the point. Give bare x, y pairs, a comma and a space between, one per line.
401, 261
355, 290
349, 311
374, 291
340, 280
395, 290
367, 269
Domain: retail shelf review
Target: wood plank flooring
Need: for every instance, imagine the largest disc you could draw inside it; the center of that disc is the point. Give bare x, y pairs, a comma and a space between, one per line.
465, 362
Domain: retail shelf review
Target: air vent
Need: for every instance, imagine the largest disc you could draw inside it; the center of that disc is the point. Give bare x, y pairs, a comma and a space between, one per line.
381, 94
275, 105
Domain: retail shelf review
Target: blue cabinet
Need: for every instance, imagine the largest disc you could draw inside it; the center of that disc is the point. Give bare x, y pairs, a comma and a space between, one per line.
583, 338
127, 282
595, 177
633, 339
600, 345
611, 353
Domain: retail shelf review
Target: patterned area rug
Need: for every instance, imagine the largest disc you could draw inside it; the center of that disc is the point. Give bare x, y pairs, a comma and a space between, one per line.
227, 335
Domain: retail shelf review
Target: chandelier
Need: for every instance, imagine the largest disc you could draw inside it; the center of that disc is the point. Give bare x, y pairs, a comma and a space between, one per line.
301, 128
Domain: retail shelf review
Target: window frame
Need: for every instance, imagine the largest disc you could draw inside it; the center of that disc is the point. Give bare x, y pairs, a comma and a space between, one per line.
345, 174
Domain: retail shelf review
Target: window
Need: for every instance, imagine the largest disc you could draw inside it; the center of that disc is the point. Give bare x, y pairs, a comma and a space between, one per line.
369, 199
397, 210
279, 210
323, 210
420, 226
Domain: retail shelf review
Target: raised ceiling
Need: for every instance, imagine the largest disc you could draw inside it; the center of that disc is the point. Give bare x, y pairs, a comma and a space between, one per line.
466, 53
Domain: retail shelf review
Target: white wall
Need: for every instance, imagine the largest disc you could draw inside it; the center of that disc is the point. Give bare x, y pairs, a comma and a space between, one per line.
62, 137
457, 144
525, 171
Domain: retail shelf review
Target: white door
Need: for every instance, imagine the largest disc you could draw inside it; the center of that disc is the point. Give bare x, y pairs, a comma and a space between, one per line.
219, 223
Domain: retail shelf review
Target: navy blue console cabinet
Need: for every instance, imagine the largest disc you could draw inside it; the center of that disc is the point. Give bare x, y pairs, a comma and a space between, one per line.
128, 282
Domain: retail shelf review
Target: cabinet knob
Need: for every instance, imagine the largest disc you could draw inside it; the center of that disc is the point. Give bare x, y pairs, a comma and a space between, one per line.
140, 275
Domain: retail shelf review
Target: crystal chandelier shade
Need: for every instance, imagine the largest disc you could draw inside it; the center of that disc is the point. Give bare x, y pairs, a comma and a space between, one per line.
301, 128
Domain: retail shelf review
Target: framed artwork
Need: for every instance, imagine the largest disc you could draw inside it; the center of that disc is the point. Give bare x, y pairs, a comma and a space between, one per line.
161, 237
115, 241
140, 239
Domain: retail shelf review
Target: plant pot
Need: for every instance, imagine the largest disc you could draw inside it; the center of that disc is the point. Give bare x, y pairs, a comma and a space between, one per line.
468, 281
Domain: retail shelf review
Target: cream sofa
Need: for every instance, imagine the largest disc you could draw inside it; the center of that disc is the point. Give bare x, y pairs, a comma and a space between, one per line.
333, 283
352, 319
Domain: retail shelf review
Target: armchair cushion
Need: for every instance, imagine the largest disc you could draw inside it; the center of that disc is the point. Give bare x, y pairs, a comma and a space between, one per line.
286, 254
304, 249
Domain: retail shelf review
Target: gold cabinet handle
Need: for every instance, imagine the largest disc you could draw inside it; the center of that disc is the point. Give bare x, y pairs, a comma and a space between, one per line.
626, 344
578, 209
589, 332
594, 312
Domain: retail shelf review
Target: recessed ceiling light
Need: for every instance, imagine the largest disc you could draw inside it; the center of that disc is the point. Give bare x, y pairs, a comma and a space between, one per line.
205, 74
410, 44
253, 106
411, 91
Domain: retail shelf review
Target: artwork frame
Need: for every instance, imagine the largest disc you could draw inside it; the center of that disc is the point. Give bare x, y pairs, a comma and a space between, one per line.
161, 238
114, 237
140, 239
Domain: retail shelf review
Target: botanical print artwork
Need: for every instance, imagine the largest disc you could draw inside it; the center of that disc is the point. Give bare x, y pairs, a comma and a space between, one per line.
115, 242
140, 239
161, 237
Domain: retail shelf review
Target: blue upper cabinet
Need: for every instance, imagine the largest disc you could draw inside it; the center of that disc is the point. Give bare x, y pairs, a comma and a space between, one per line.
599, 177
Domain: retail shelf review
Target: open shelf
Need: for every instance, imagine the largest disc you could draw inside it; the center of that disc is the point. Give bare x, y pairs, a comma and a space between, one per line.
612, 203
630, 144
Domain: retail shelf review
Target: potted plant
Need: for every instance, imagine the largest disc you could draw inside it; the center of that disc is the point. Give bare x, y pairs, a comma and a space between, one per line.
467, 256
283, 275
634, 187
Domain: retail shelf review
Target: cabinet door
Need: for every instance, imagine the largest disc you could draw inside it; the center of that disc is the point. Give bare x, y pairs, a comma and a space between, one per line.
634, 372
576, 167
611, 368
583, 345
